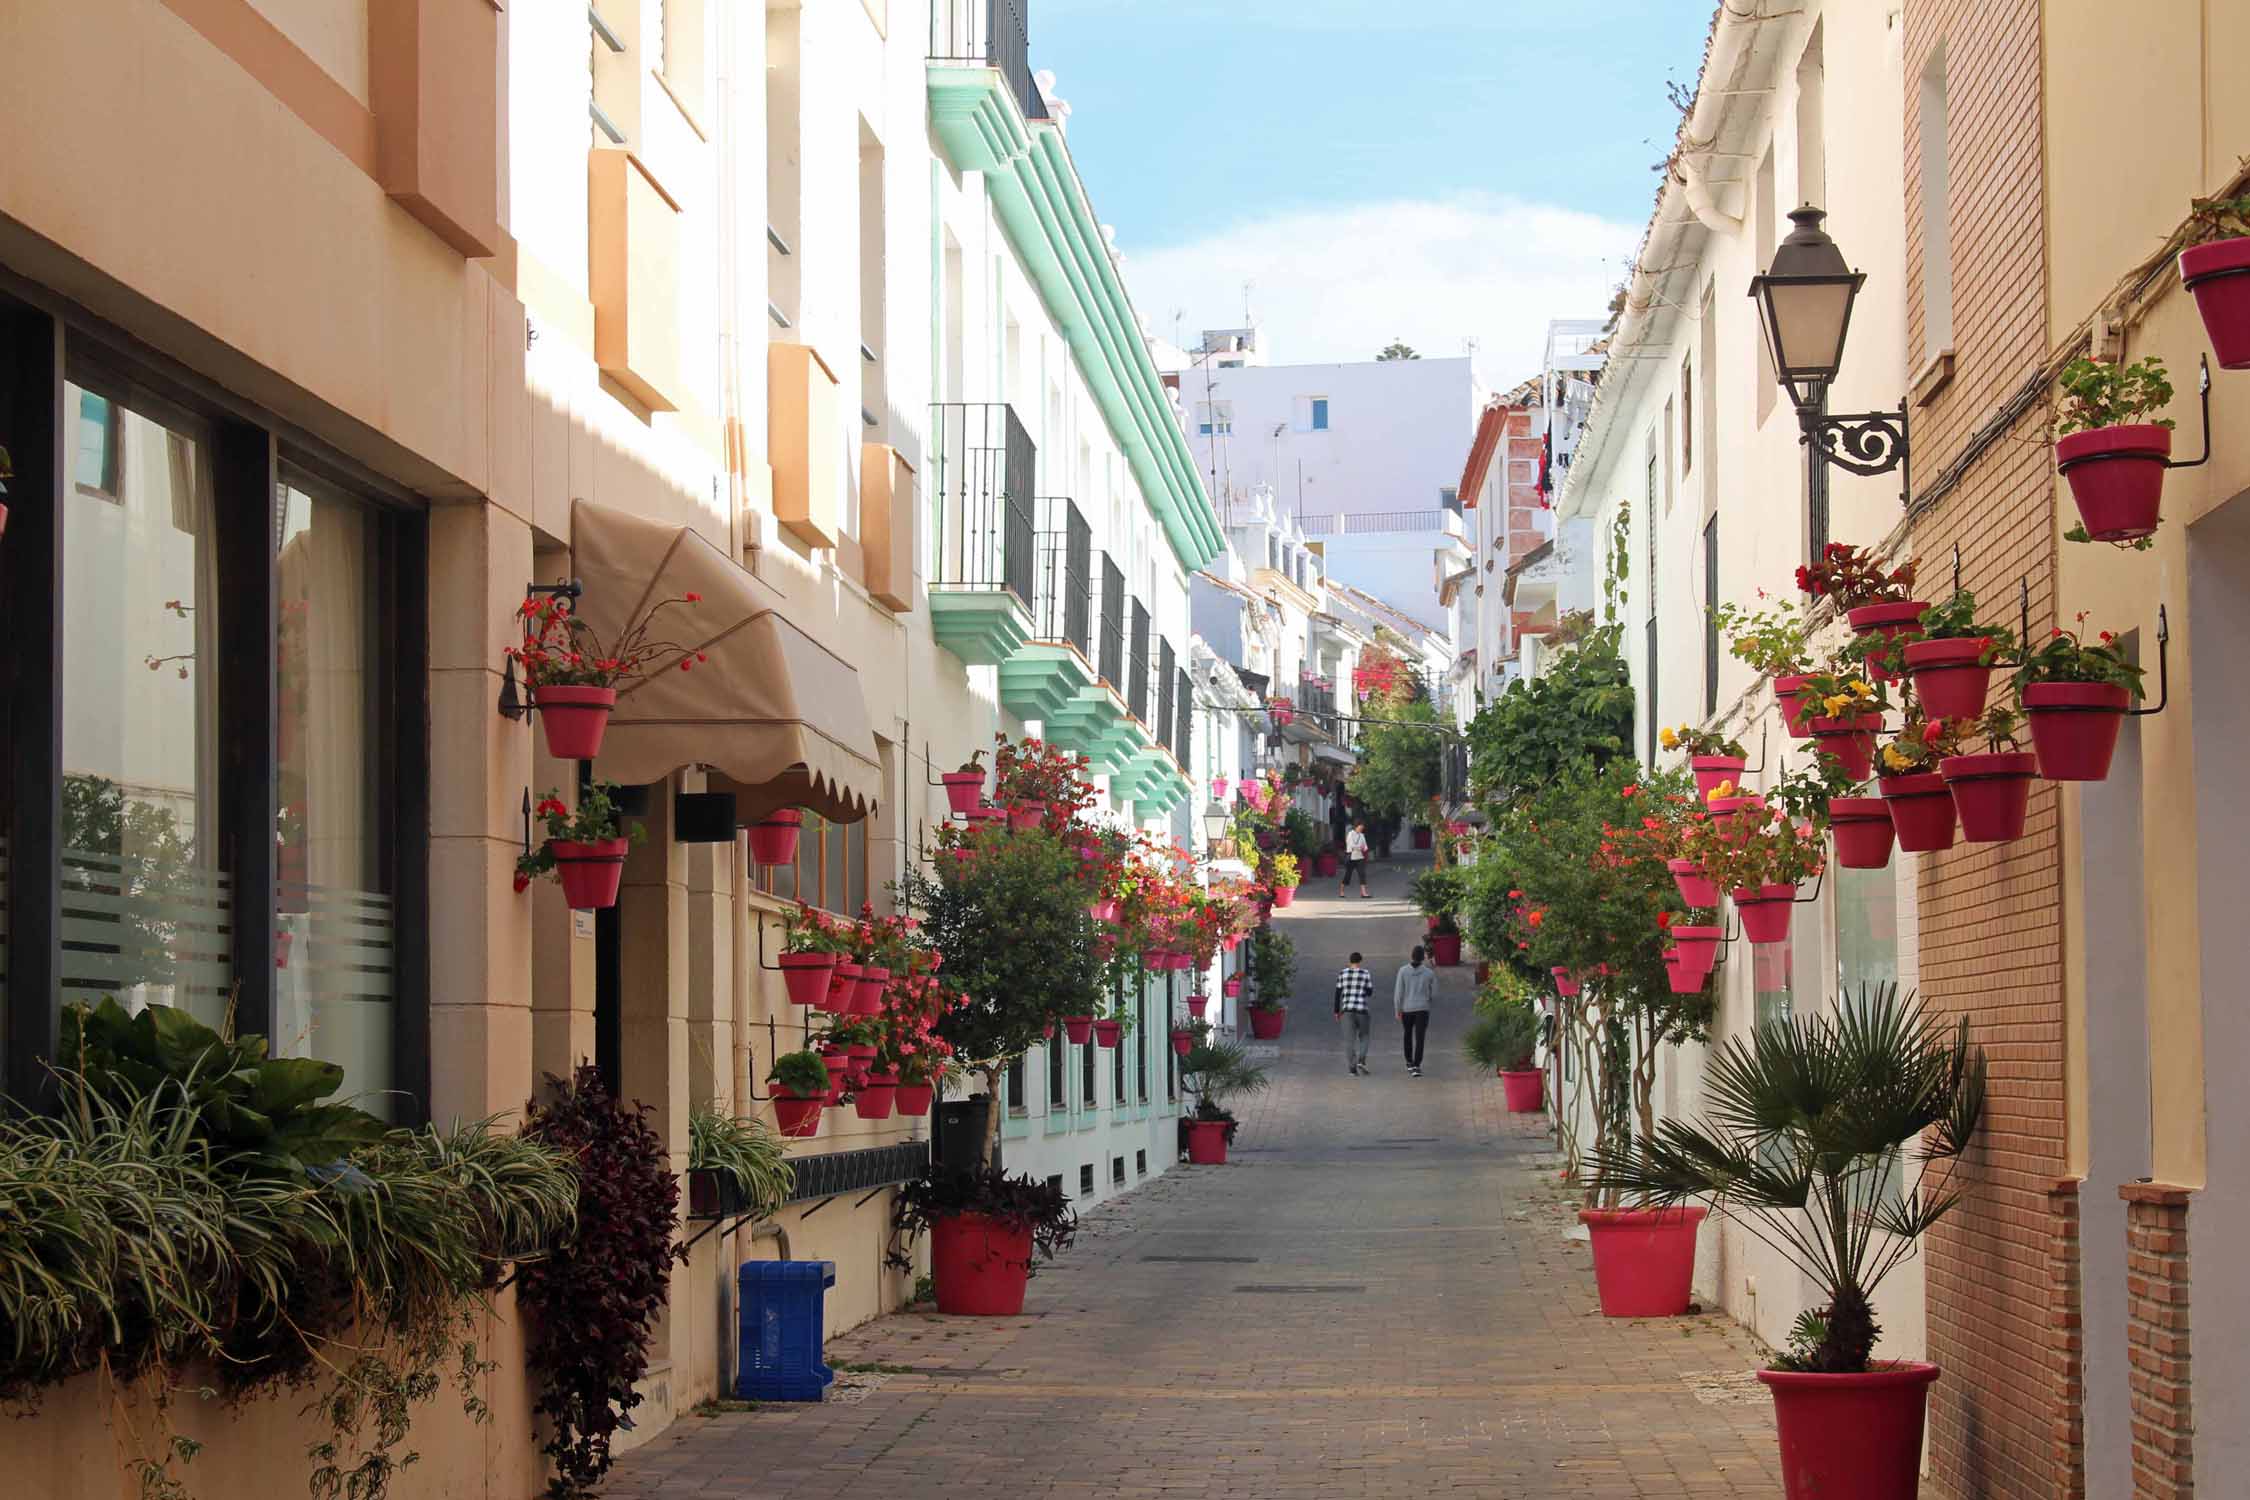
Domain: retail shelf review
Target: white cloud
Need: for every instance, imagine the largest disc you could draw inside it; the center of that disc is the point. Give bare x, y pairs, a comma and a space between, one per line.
1340, 283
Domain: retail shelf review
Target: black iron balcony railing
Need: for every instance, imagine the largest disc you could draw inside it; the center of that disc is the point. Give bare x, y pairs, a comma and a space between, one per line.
1111, 641
981, 460
993, 32
1164, 675
1316, 700
1064, 614
1183, 721
1136, 667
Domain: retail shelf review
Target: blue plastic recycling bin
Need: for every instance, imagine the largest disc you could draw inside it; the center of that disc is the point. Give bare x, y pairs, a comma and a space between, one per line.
780, 1308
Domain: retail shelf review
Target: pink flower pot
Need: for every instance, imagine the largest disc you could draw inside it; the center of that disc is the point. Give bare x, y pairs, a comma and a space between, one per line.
2074, 724
1850, 741
1892, 621
1991, 792
2116, 474
1785, 690
964, 791
843, 990
1697, 889
1683, 976
1565, 986
1196, 1005
839, 1069
796, 1117
1851, 1437
1078, 1029
1950, 675
1644, 1258
979, 1265
1445, 949
1921, 811
589, 873
1284, 894
1862, 826
1183, 1042
1265, 1025
1104, 910
1765, 912
1232, 986
867, 999
1715, 771
1422, 838
1698, 947
1107, 1032
574, 718
914, 1098
2214, 273
876, 1093
1024, 816
807, 975
1523, 1091
774, 841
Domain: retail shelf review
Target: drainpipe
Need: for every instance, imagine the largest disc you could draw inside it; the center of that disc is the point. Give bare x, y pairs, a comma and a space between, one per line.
1731, 39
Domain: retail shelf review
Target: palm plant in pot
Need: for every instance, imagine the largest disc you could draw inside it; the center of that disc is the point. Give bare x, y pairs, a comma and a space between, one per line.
1504, 1039
2111, 451
1215, 1071
2075, 694
1808, 1126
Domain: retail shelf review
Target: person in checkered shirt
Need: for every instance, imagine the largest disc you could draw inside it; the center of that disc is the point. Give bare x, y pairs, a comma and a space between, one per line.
1355, 986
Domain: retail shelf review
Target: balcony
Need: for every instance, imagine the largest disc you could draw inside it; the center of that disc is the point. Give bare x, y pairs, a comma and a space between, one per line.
1315, 720
985, 562
1046, 675
994, 33
1088, 631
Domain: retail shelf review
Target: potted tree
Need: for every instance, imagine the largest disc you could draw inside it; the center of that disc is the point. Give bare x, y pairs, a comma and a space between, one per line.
584, 850
2074, 695
1807, 1129
1215, 1071
573, 677
2213, 269
1438, 893
964, 785
1772, 641
1992, 787
1504, 1038
1716, 759
1273, 969
2113, 460
1873, 600
1951, 659
987, 1231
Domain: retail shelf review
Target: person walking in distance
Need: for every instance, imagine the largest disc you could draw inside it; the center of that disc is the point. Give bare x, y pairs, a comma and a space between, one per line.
1354, 988
1355, 860
1410, 1002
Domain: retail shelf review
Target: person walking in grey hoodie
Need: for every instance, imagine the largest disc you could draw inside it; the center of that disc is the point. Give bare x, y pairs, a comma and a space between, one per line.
1410, 1002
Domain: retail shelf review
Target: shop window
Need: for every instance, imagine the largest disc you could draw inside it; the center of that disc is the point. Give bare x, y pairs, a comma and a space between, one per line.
831, 867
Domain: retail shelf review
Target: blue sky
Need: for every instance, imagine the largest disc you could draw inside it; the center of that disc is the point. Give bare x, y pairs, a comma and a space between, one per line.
1456, 168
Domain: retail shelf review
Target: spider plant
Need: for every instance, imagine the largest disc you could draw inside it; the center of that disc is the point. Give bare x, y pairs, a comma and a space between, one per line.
1802, 1141
750, 1151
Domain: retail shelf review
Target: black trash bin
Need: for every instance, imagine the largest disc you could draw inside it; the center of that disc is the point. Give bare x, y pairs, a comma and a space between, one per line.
958, 1139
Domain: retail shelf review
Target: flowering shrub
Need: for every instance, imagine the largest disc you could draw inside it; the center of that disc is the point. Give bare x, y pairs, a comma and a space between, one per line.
1037, 771
1771, 640
1916, 746
808, 929
1839, 693
2066, 657
1690, 740
1853, 578
560, 649
1759, 846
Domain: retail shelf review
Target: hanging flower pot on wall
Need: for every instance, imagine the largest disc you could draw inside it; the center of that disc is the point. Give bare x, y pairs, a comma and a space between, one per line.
1921, 811
1715, 771
589, 873
796, 1117
876, 1093
573, 718
914, 1098
1765, 912
1851, 742
1025, 816
2116, 476
773, 841
964, 791
1697, 889
1565, 986
2218, 274
1787, 691
1991, 792
1862, 826
1698, 947
1183, 1041
1079, 1029
1888, 620
807, 976
843, 989
1196, 1005
1106, 1032
2074, 727
1950, 675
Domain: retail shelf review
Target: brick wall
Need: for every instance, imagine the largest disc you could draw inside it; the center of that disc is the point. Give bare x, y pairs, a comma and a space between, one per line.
2067, 1432
2156, 1339
2002, 1299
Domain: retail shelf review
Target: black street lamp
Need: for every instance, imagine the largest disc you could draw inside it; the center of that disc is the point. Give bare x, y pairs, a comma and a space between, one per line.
1805, 310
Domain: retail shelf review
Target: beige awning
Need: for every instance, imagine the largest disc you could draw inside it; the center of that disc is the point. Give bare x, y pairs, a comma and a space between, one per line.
778, 716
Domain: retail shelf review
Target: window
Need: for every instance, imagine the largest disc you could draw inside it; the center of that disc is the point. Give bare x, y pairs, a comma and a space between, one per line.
1214, 417
1669, 470
95, 469
1866, 929
1117, 1170
1016, 1087
1089, 1095
1142, 1036
1086, 1180
1937, 211
1687, 416
1320, 414
1230, 364
1140, 1163
831, 867
1058, 1077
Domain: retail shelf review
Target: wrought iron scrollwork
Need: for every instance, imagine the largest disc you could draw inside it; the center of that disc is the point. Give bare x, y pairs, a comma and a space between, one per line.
1868, 442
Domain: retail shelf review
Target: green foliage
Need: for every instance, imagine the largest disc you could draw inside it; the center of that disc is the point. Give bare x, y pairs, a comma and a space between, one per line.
749, 1151
802, 1073
1306, 834
1023, 1203
1579, 713
2100, 393
154, 862
1272, 964
1806, 1128
1503, 1037
1438, 892
2218, 219
1771, 640
2067, 656
1401, 763
1397, 349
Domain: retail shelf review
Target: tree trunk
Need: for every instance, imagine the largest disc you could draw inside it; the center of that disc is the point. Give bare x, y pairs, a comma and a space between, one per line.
992, 1113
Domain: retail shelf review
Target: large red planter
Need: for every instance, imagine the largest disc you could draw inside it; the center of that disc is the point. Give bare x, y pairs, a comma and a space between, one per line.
1851, 1437
1715, 771
1644, 1258
1921, 811
2216, 274
876, 1093
1991, 792
589, 873
1697, 889
1862, 826
1207, 1143
2074, 725
1891, 621
1284, 894
774, 841
980, 1266
914, 1098
1079, 1029
1950, 675
1422, 838
574, 718
1851, 741
795, 1117
807, 976
1265, 1025
1525, 1091
964, 791
2116, 475
1765, 913
1324, 863
1698, 947
1785, 690
1445, 949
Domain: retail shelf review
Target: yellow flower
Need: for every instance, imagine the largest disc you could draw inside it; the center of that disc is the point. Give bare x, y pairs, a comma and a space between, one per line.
1895, 760
1723, 789
1860, 689
1668, 739
1836, 704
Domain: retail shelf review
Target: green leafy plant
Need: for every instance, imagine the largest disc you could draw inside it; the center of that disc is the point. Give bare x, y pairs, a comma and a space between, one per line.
595, 820
1401, 751
2066, 656
1690, 740
1504, 1037
749, 1152
802, 1073
1853, 577
1576, 713
1023, 1203
1758, 846
2101, 393
1438, 892
1273, 968
1771, 640
1956, 619
2218, 219
1216, 1071
592, 1306
1805, 1131
1804, 790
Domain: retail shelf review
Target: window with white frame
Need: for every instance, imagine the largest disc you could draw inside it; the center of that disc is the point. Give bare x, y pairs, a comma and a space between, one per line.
1214, 418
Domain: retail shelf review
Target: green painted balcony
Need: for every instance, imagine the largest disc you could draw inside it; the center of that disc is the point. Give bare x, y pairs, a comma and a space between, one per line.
1042, 679
984, 552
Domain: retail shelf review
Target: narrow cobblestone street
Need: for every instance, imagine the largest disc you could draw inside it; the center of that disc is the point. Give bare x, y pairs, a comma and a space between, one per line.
1377, 1297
